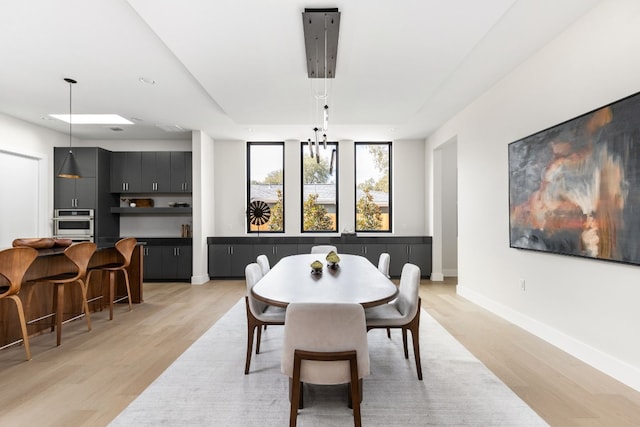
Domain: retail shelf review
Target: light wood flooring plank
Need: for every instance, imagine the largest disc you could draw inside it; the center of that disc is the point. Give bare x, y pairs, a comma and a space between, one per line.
93, 376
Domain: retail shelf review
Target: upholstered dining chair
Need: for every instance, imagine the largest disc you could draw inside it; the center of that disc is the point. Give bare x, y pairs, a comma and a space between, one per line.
402, 313
259, 314
263, 262
325, 343
125, 249
383, 263
323, 249
79, 254
14, 263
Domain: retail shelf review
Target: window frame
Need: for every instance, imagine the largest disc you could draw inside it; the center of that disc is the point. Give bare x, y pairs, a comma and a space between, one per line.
389, 144
304, 148
248, 184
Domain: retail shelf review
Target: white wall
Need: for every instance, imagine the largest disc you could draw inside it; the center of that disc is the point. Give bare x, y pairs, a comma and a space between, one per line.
587, 307
408, 181
22, 139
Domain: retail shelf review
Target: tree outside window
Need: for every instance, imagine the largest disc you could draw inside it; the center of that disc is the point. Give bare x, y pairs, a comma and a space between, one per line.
265, 182
373, 186
319, 188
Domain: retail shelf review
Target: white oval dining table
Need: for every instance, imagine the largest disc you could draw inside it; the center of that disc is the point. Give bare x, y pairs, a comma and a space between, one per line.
355, 280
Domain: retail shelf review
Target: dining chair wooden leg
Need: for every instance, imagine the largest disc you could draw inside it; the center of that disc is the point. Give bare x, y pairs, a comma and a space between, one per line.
23, 324
251, 326
414, 327
295, 391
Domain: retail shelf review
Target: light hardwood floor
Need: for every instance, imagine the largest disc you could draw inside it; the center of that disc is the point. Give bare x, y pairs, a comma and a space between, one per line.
94, 375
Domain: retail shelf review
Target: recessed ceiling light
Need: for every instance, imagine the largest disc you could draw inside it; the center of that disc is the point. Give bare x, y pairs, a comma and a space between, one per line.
93, 119
147, 80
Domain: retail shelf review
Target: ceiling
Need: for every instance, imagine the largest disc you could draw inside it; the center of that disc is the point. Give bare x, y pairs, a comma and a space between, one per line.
236, 69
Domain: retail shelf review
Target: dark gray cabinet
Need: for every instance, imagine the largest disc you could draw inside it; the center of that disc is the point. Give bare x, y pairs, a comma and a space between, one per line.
91, 190
167, 262
228, 256
152, 262
181, 172
414, 253
151, 172
275, 252
75, 193
126, 175
370, 251
229, 260
155, 171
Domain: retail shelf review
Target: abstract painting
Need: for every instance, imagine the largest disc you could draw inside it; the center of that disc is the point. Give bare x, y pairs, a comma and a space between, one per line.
574, 188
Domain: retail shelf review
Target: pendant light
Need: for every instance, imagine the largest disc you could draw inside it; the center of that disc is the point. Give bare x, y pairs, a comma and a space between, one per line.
69, 168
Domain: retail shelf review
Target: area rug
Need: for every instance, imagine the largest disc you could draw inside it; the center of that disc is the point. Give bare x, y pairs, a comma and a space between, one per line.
206, 386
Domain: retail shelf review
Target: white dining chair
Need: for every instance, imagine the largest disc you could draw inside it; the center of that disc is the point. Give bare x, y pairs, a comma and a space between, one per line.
325, 343
323, 249
263, 262
402, 313
383, 263
259, 314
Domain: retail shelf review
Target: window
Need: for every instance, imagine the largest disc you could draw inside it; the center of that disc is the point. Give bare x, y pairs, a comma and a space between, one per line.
265, 186
373, 186
319, 187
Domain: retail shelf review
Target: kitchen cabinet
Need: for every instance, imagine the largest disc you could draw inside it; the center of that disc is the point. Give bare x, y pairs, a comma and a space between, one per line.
152, 262
74, 193
230, 260
126, 175
181, 171
91, 190
165, 260
151, 172
155, 171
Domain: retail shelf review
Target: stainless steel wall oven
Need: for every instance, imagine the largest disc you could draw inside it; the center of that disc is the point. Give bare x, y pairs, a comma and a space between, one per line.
74, 224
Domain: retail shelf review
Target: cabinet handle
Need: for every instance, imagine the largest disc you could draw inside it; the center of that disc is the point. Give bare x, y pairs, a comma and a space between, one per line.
178, 251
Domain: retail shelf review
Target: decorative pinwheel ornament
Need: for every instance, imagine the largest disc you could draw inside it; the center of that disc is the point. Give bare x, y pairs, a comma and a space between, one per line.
258, 213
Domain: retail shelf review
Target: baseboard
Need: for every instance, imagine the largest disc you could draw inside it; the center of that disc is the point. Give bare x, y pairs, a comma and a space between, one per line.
199, 280
436, 277
621, 371
450, 272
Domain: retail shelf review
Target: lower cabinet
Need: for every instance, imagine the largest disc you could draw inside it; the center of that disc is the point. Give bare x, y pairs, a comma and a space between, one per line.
370, 251
416, 253
167, 262
229, 260
228, 256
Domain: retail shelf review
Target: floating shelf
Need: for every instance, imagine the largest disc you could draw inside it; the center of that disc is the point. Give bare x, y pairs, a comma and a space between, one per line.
152, 211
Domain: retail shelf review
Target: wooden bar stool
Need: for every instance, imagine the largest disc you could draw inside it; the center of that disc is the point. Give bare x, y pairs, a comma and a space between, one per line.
79, 254
14, 263
125, 249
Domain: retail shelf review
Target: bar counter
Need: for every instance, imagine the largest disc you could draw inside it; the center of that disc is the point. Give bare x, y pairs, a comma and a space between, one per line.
37, 298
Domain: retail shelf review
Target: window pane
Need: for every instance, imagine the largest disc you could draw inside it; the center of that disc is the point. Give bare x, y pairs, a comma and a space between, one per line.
373, 186
265, 187
319, 187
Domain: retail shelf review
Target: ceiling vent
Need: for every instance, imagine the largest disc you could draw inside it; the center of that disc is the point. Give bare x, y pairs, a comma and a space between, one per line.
171, 128
321, 41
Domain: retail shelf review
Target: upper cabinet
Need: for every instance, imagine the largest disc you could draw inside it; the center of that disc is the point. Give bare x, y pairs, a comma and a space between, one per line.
126, 176
181, 172
151, 172
156, 166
